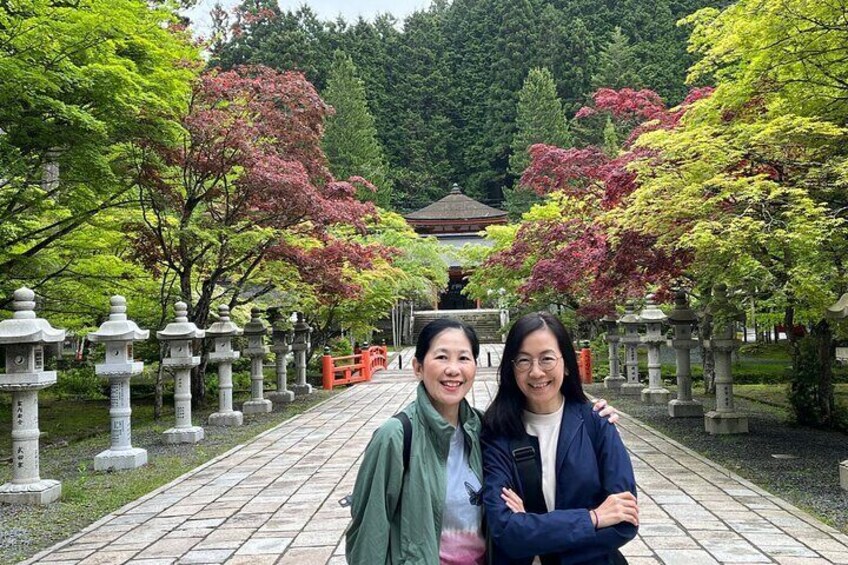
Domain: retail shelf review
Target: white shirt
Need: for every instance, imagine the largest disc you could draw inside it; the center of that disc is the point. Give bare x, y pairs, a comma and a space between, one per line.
546, 428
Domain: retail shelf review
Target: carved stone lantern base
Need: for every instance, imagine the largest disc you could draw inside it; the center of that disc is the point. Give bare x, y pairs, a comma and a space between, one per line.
685, 409
302, 390
632, 389
655, 395
193, 434
44, 491
109, 460
282, 397
226, 419
262, 406
723, 423
843, 475
614, 383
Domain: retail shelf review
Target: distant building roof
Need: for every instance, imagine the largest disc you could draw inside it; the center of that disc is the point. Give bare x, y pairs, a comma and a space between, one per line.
456, 206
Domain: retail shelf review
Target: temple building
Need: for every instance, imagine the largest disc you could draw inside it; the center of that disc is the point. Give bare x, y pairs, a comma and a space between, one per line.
456, 220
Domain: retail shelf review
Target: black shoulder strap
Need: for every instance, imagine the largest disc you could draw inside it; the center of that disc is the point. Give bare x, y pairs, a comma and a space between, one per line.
529, 473
407, 438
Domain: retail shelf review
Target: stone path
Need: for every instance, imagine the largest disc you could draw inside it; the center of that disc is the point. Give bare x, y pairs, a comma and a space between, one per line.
274, 500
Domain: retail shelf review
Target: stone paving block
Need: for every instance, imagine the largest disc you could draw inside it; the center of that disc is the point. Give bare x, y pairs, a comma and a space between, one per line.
77, 554
672, 542
205, 556
163, 561
182, 510
248, 520
314, 538
685, 557
108, 558
173, 547
737, 550
636, 548
264, 546
306, 556
643, 561
252, 560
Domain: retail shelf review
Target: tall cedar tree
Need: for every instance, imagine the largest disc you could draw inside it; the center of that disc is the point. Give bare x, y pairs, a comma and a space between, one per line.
246, 184
539, 119
350, 138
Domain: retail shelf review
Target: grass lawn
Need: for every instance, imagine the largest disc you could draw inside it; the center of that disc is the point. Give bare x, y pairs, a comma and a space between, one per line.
76, 431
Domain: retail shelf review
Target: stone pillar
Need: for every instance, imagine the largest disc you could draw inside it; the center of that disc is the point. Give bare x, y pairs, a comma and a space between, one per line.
300, 346
256, 349
281, 346
222, 333
25, 336
653, 318
179, 335
631, 340
683, 319
118, 334
839, 311
724, 419
615, 379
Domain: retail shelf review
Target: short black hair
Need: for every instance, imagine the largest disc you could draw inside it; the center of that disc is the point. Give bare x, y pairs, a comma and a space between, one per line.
437, 326
504, 415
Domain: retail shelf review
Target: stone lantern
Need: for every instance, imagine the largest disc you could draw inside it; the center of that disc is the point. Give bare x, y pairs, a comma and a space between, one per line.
724, 419
614, 380
631, 340
839, 311
653, 318
281, 346
179, 336
222, 333
25, 336
300, 346
256, 349
118, 334
683, 319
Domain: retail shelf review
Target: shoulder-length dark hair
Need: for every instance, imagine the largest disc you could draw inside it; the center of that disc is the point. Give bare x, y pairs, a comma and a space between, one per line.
437, 326
503, 417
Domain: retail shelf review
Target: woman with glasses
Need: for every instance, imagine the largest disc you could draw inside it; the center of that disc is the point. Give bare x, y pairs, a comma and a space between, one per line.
425, 508
559, 485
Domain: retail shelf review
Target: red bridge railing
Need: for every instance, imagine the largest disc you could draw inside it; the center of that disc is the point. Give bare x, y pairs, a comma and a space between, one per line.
350, 369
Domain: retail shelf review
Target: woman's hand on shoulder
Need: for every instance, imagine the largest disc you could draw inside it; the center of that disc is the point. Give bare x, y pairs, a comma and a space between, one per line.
605, 410
617, 508
513, 501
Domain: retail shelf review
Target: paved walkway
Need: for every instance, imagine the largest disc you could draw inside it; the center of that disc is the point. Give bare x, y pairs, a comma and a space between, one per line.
274, 500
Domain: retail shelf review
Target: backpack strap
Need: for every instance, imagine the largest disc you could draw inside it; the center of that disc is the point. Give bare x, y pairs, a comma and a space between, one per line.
529, 465
407, 438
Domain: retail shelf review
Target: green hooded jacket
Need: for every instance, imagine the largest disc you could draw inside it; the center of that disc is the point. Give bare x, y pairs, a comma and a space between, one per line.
398, 520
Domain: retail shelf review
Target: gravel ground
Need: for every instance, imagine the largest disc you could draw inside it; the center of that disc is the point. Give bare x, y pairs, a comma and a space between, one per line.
811, 481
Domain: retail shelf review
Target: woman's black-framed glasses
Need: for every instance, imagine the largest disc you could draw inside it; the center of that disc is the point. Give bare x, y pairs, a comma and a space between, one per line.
546, 363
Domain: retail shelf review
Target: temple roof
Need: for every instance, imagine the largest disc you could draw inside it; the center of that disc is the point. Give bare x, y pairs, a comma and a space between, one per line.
456, 206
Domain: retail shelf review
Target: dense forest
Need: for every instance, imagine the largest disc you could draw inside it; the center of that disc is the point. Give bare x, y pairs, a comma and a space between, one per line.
443, 85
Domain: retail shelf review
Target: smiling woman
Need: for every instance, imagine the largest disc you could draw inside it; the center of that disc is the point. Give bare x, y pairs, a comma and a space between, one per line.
425, 507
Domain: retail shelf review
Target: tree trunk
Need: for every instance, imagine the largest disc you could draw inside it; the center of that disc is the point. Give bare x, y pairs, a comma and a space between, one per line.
824, 339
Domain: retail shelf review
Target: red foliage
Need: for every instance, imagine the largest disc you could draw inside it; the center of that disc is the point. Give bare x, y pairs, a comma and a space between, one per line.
252, 157
575, 258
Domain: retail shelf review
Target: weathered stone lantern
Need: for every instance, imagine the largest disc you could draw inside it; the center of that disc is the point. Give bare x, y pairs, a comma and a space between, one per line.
300, 346
256, 349
179, 336
25, 336
222, 333
281, 346
839, 311
724, 419
615, 379
631, 340
118, 334
683, 319
653, 318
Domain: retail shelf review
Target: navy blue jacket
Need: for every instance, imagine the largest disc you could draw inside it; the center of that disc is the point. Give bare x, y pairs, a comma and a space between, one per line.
586, 474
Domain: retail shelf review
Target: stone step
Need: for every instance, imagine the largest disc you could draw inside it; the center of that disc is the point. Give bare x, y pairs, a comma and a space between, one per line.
486, 322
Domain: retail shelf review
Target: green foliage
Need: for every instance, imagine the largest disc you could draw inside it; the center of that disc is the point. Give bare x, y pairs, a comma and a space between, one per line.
805, 389
539, 119
444, 90
618, 64
350, 137
80, 383
82, 82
